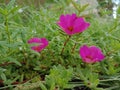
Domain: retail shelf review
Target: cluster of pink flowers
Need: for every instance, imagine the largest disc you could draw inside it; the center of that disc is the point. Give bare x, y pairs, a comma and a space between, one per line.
71, 24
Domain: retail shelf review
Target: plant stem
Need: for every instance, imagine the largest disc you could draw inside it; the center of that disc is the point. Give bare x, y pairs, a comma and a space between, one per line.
65, 44
6, 28
73, 49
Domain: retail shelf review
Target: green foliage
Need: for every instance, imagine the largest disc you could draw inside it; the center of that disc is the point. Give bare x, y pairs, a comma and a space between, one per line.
58, 77
118, 11
20, 64
105, 7
78, 7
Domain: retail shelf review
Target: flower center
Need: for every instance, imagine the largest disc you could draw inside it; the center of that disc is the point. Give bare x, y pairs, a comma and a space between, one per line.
70, 28
89, 57
37, 48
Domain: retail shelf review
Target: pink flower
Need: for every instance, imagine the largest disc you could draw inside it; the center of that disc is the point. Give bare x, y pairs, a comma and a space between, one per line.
41, 43
91, 54
71, 24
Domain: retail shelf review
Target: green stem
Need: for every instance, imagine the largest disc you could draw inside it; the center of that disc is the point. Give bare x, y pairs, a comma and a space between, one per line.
65, 44
90, 68
27, 64
24, 55
7, 29
73, 49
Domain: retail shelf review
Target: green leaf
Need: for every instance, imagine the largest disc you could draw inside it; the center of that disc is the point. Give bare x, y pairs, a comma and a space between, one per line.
16, 78
42, 86
3, 77
15, 61
10, 4
81, 9
10, 59
13, 10
60, 76
1, 11
2, 70
78, 7
14, 45
118, 11
3, 43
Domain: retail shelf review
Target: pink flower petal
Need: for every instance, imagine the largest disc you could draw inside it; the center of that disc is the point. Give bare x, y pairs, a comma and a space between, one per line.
34, 40
80, 25
71, 24
96, 53
36, 48
84, 51
91, 54
42, 43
